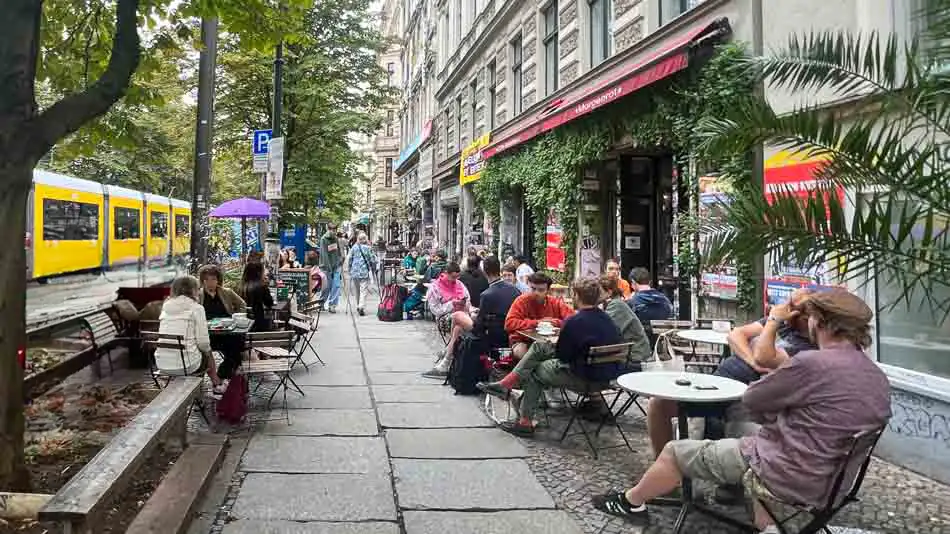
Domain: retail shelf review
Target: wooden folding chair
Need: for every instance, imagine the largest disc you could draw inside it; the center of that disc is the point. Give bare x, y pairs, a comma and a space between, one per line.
304, 328
154, 341
278, 348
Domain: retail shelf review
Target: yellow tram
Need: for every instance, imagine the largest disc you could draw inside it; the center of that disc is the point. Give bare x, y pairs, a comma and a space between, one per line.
76, 225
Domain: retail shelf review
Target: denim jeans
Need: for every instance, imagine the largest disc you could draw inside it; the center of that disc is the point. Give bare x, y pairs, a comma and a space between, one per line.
334, 281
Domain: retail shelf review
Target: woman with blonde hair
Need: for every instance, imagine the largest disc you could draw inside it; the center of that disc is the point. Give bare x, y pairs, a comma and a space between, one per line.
361, 263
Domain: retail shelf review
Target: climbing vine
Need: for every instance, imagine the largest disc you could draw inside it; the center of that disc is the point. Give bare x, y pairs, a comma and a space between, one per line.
548, 170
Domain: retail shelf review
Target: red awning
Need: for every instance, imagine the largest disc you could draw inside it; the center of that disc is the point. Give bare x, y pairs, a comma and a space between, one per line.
621, 80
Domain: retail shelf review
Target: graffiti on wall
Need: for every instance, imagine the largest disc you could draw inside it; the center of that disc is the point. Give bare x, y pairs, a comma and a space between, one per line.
919, 417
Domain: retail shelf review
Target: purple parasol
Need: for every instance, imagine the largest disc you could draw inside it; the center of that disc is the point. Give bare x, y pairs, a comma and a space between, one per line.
242, 208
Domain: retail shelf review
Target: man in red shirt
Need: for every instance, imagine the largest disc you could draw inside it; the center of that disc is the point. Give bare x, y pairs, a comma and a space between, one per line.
532, 308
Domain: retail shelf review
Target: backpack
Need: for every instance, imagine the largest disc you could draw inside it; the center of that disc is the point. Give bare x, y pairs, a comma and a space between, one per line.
233, 404
390, 304
468, 367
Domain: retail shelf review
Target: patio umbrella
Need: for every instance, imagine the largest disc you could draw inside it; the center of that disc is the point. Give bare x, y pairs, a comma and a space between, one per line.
244, 209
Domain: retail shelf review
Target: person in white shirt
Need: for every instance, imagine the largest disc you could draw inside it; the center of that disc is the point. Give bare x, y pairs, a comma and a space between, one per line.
182, 315
522, 274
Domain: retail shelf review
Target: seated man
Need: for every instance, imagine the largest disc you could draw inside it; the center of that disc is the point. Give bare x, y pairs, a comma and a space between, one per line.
649, 304
508, 271
530, 309
495, 303
613, 271
436, 267
809, 409
563, 365
769, 340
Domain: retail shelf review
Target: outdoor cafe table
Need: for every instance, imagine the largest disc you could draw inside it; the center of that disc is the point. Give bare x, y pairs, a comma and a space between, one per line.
533, 335
705, 335
662, 385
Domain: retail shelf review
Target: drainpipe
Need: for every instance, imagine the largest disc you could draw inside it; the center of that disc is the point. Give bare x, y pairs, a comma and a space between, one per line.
758, 154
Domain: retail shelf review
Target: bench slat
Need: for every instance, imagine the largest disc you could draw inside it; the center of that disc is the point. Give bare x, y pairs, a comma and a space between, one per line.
110, 470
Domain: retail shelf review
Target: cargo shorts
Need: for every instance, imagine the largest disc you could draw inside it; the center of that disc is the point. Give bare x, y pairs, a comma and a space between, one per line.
719, 461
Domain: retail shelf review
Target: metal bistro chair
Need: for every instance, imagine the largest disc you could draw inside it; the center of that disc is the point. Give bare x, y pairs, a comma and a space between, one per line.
305, 328
154, 341
605, 354
278, 348
844, 488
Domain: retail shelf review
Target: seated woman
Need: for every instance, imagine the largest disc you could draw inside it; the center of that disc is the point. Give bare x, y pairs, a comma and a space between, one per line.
257, 295
220, 302
448, 300
630, 328
183, 316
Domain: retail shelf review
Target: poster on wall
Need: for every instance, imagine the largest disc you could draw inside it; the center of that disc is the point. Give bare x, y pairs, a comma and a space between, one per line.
785, 171
715, 281
554, 251
473, 160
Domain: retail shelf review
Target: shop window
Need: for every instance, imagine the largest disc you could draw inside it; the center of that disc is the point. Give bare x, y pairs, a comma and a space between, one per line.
65, 220
126, 223
159, 227
670, 9
550, 48
599, 30
517, 75
182, 226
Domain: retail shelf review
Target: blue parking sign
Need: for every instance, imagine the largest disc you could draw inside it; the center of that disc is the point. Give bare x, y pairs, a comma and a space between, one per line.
262, 141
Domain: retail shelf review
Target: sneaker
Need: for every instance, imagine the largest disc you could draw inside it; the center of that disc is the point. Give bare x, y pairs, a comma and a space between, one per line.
439, 355
517, 428
435, 372
361, 311
614, 503
332, 309
495, 389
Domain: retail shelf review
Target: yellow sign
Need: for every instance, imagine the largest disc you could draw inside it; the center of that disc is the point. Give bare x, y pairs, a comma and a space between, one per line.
473, 162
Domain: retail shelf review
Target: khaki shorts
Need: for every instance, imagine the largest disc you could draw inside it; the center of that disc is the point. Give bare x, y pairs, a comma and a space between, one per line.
719, 461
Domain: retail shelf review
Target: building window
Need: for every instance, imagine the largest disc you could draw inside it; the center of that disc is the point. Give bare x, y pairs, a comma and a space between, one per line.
599, 30
64, 220
159, 227
458, 123
670, 9
390, 72
550, 48
389, 172
126, 223
458, 21
517, 75
448, 146
390, 119
181, 226
471, 107
492, 91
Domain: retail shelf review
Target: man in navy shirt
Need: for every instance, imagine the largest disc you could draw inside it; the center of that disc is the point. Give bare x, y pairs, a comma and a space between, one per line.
589, 327
494, 305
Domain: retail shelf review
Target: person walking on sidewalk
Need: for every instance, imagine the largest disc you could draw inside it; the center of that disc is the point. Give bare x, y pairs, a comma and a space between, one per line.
331, 263
362, 264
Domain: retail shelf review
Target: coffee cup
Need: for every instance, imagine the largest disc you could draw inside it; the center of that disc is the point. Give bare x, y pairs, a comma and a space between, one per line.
240, 319
545, 326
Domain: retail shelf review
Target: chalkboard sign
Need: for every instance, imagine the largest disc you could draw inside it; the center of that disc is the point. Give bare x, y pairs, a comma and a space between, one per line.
299, 279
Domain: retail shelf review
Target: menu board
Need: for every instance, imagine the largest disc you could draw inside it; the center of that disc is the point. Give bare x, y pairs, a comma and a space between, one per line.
299, 279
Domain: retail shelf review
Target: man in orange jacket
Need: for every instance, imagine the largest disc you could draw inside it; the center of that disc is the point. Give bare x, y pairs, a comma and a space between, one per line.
532, 308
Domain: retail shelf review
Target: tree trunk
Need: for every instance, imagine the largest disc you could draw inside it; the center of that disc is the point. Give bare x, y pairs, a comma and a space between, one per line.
14, 190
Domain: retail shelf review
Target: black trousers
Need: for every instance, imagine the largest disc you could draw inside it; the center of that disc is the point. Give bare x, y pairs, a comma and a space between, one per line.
231, 347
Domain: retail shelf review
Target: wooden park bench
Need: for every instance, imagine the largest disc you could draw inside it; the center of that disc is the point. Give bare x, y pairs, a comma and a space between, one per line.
83, 500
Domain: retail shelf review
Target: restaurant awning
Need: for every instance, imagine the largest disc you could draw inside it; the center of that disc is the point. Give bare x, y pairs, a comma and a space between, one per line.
619, 80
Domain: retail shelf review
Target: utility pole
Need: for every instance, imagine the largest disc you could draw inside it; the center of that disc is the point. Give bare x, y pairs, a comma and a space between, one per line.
277, 117
203, 136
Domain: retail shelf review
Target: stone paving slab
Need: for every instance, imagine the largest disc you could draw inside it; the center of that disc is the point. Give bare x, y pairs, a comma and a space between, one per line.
332, 376
468, 485
295, 454
396, 350
249, 526
406, 393
400, 364
452, 443
432, 416
403, 379
331, 398
325, 423
533, 521
270, 496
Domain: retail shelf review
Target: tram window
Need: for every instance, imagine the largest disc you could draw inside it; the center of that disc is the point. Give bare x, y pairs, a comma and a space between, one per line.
127, 223
65, 220
159, 224
181, 226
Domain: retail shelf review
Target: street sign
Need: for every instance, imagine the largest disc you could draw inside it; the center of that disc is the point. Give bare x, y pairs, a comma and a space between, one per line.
275, 169
260, 148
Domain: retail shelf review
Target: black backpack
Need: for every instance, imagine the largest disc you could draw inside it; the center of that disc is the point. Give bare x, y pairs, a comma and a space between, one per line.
390, 304
467, 368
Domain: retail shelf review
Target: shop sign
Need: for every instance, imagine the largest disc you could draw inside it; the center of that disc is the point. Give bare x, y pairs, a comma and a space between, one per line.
554, 250
473, 160
414, 145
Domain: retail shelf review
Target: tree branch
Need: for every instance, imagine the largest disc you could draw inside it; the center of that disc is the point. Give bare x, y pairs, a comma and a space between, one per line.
70, 113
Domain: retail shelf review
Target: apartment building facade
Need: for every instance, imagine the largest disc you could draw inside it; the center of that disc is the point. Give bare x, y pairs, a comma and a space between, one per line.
500, 74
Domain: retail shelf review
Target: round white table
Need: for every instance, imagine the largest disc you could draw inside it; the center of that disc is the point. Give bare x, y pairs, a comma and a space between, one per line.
662, 384
704, 335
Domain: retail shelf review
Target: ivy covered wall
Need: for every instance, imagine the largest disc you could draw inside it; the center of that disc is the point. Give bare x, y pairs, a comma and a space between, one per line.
548, 169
